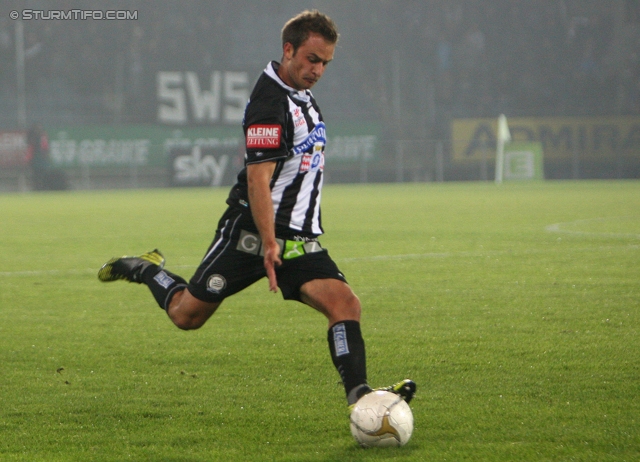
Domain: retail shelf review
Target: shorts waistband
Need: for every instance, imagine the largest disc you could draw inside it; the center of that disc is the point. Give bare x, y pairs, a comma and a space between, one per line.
252, 243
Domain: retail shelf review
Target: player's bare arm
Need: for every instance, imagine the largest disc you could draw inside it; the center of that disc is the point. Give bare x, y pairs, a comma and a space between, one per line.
259, 179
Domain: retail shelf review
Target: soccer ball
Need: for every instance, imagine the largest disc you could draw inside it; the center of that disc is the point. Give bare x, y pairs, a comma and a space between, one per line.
381, 419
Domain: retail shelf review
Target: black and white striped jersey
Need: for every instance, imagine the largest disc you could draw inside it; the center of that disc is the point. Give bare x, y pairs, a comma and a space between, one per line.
284, 125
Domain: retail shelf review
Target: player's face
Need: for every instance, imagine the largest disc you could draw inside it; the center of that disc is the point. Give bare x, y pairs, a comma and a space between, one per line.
302, 69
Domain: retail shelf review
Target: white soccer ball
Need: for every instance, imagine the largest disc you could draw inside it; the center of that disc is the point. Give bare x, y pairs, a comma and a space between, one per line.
381, 419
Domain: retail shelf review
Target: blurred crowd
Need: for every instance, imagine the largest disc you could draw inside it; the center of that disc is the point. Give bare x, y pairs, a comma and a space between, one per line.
450, 58
533, 58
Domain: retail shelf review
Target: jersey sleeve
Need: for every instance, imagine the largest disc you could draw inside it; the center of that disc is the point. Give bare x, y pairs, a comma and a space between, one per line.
264, 125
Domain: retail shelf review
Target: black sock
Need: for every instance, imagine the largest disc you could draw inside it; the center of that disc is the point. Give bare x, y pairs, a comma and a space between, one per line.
163, 284
348, 355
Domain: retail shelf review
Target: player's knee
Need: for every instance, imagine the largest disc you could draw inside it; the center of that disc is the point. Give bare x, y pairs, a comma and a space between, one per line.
187, 322
354, 301
187, 313
187, 319
350, 308
188, 325
355, 311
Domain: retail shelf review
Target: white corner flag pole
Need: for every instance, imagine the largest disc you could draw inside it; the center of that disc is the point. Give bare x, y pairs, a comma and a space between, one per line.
503, 137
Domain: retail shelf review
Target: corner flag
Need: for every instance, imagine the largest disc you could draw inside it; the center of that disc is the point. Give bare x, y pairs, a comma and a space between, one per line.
504, 136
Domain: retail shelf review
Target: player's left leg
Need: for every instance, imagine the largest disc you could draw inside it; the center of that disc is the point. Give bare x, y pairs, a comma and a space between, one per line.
335, 299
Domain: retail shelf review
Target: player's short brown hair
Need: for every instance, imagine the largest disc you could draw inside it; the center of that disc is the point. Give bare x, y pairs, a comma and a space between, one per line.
298, 28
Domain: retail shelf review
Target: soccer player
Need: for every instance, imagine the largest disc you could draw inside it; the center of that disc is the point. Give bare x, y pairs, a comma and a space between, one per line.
272, 222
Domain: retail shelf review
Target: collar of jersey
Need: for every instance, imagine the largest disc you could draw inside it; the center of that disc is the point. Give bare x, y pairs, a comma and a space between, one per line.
300, 95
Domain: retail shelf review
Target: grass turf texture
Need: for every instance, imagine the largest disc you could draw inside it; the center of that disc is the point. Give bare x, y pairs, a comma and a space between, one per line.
514, 308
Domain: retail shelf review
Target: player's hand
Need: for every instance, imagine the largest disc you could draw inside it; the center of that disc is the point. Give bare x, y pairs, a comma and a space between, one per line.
271, 261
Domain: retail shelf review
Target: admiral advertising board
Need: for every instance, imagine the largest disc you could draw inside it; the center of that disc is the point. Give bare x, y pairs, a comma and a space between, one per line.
562, 138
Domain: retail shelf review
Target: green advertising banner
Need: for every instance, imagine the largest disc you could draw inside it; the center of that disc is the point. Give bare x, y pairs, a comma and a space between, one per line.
150, 145
139, 145
351, 143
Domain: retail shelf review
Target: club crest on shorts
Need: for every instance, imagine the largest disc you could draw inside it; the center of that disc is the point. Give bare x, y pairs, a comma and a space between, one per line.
216, 283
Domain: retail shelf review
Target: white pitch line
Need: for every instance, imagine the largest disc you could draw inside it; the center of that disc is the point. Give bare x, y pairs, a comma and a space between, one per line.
43, 272
407, 256
395, 257
557, 228
66, 272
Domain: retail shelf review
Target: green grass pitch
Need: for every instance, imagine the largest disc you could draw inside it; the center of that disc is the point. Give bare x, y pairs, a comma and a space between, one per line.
514, 308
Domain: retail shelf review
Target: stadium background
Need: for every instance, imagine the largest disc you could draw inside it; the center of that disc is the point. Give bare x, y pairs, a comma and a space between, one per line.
413, 94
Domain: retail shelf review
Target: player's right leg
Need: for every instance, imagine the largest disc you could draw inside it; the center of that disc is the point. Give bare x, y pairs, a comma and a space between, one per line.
223, 271
188, 312
147, 269
130, 268
169, 289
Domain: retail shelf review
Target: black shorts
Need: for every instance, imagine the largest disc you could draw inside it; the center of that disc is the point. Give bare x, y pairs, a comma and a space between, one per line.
233, 261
